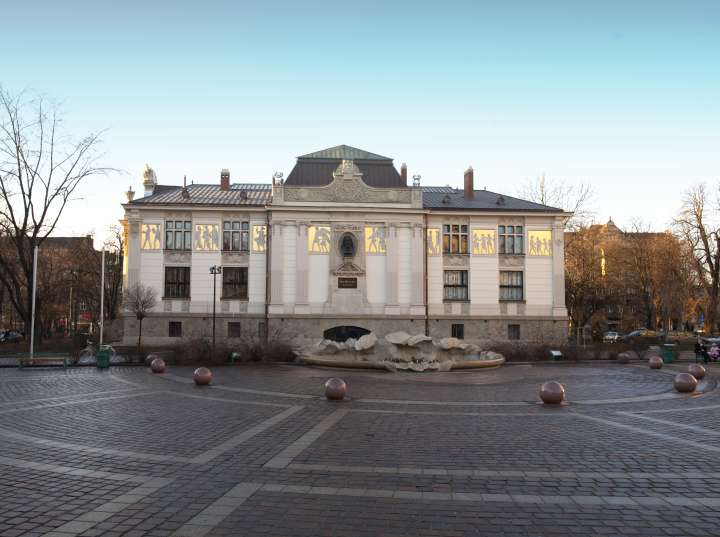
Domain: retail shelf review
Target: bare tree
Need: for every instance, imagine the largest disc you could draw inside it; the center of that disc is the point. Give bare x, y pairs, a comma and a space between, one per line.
588, 278
698, 227
140, 300
40, 169
88, 261
578, 199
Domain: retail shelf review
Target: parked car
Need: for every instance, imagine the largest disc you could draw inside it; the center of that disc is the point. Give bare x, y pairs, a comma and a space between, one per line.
676, 336
612, 337
11, 336
711, 340
638, 335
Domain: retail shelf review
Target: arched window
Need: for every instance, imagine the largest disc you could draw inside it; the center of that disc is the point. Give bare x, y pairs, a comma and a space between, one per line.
343, 333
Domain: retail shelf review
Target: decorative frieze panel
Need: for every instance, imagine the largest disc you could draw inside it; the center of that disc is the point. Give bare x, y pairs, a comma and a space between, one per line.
319, 239
375, 240
151, 237
176, 258
483, 242
540, 243
433, 241
456, 260
512, 261
235, 258
236, 216
180, 215
206, 238
259, 239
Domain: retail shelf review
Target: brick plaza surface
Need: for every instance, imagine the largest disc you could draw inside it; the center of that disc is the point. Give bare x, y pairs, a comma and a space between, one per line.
261, 452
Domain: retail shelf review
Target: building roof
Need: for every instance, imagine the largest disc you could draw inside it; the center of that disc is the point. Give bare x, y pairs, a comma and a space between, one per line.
434, 196
316, 169
344, 152
239, 194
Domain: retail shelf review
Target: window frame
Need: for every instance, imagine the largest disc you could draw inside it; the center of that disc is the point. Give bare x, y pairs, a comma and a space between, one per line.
457, 331
451, 246
232, 229
513, 330
237, 329
181, 285
509, 287
455, 286
175, 329
173, 234
505, 236
237, 286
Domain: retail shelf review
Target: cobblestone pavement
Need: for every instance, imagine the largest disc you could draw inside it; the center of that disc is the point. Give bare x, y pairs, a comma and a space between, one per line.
261, 452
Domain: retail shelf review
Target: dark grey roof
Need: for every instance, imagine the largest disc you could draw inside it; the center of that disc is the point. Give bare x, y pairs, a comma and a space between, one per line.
320, 173
344, 152
160, 189
257, 194
484, 200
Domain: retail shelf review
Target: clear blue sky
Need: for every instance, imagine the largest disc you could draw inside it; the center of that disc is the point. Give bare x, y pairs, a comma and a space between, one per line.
622, 94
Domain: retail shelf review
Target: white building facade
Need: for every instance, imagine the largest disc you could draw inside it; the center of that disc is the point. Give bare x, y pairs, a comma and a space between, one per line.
344, 247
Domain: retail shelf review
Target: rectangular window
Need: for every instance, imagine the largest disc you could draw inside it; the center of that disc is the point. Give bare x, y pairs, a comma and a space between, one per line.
177, 282
511, 285
235, 236
609, 309
83, 305
175, 329
233, 330
261, 330
513, 331
458, 331
510, 239
178, 235
455, 239
456, 285
235, 282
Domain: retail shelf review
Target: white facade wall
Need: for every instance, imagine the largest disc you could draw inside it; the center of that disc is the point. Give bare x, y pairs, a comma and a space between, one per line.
404, 271
376, 272
318, 281
289, 266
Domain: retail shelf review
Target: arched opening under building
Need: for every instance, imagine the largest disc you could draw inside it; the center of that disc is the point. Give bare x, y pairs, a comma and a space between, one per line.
341, 334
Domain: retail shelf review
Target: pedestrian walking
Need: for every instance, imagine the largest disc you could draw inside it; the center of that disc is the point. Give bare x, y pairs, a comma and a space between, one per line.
714, 352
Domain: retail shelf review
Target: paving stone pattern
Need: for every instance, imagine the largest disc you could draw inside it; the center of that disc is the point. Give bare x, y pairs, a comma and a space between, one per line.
262, 452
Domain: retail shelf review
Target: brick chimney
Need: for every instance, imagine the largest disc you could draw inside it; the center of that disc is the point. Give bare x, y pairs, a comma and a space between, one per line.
469, 187
225, 180
403, 172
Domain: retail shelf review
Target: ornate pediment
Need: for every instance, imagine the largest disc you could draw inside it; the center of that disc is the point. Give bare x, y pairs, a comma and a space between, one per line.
506, 260
176, 257
235, 258
348, 186
348, 268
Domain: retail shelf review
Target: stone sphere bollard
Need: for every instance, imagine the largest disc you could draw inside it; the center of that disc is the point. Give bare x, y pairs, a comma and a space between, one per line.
697, 371
335, 389
623, 358
157, 365
655, 362
150, 358
202, 376
685, 383
552, 393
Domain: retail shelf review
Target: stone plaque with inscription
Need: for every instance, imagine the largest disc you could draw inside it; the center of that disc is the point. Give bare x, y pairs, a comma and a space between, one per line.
347, 283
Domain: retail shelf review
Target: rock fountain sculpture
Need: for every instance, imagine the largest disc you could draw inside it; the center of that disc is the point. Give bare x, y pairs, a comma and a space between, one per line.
399, 351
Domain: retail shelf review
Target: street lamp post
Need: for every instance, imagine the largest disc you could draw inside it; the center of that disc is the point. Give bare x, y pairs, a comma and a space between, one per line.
214, 270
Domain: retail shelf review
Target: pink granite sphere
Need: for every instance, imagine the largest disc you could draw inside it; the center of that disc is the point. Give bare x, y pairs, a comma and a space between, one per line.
157, 365
623, 358
335, 389
685, 383
150, 358
552, 393
655, 362
696, 370
202, 376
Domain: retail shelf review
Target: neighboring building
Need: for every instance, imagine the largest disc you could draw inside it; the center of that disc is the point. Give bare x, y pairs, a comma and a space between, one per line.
345, 246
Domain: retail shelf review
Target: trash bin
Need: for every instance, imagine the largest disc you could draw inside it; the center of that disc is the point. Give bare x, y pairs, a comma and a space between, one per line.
103, 359
668, 353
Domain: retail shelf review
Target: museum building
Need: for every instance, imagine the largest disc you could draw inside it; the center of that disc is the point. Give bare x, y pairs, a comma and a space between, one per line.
345, 246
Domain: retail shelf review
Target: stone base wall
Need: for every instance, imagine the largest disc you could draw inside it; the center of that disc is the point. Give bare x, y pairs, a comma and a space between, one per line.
479, 331
310, 329
156, 327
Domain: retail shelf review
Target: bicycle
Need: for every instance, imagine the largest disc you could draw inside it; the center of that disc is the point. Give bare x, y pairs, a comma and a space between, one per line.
88, 354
